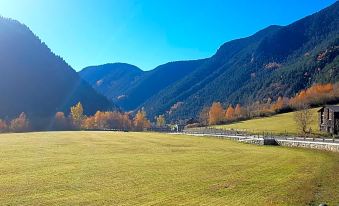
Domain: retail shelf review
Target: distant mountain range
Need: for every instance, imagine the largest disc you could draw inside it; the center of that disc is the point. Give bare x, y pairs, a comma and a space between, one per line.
129, 87
36, 81
276, 61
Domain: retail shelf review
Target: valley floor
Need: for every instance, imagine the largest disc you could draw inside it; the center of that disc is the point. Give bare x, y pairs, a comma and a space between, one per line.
115, 168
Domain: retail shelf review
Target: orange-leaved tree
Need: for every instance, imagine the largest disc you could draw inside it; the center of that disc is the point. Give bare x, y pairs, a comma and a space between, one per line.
108, 120
216, 114
89, 123
280, 104
315, 95
100, 120
229, 115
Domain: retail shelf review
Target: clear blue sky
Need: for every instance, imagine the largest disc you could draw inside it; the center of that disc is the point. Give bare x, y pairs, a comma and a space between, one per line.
148, 33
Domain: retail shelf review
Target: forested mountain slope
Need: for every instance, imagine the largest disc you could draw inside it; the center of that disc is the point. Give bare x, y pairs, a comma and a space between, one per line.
276, 61
36, 81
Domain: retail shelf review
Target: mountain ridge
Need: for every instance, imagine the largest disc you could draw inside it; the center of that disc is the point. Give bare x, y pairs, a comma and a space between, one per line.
146, 85
275, 61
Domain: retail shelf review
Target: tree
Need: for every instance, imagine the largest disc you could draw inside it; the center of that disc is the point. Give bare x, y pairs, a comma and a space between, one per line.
108, 120
204, 116
239, 112
161, 121
60, 121
140, 121
126, 122
229, 113
20, 124
117, 120
77, 115
89, 123
216, 114
3, 126
303, 119
100, 120
315, 95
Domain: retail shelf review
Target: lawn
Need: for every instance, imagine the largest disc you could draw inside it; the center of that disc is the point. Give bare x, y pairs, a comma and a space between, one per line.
278, 124
111, 168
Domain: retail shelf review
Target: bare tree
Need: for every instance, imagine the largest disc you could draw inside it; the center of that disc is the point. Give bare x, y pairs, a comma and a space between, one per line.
303, 118
204, 115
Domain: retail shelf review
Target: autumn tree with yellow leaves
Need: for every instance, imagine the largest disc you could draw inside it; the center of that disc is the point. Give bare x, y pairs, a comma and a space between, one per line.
140, 121
160, 120
77, 115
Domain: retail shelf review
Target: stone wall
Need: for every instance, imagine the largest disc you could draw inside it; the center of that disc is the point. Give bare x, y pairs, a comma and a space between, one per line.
260, 141
329, 146
334, 147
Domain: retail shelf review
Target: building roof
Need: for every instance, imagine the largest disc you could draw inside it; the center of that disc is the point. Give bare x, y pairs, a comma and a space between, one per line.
331, 107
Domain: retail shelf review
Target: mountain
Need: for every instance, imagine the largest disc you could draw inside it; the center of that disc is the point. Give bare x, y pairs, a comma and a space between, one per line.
276, 61
36, 81
279, 60
129, 87
112, 80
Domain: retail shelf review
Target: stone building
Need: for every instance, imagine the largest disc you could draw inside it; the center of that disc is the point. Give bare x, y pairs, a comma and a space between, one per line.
329, 119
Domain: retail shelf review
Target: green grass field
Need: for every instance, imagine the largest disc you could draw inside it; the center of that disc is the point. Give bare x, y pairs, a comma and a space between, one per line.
278, 124
108, 168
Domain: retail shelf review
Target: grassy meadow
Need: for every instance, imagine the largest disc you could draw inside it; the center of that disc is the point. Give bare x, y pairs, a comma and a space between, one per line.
278, 124
113, 168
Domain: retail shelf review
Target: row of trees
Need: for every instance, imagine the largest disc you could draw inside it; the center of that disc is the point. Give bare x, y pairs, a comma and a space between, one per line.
317, 94
217, 114
100, 120
19, 124
76, 120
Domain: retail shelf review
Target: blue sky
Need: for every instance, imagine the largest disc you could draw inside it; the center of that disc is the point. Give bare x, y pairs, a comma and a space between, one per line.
148, 33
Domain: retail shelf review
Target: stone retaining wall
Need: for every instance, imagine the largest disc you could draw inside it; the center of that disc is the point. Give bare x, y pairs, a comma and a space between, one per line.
334, 147
329, 146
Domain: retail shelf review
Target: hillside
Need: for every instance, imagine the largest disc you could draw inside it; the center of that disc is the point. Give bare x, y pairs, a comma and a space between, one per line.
114, 168
129, 87
36, 81
275, 61
277, 124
